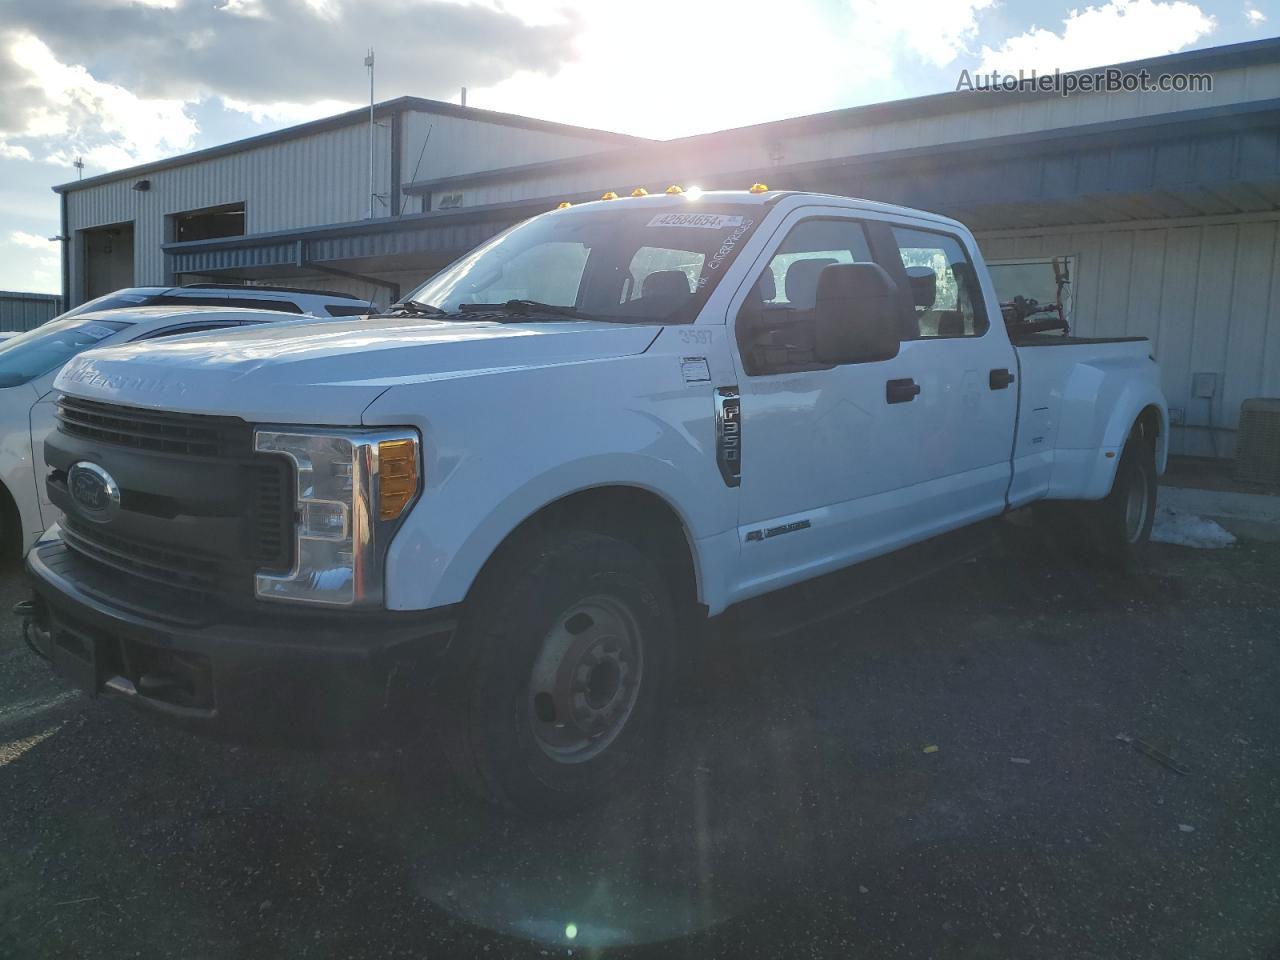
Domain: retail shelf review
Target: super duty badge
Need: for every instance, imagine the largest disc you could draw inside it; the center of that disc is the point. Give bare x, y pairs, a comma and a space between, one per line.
729, 435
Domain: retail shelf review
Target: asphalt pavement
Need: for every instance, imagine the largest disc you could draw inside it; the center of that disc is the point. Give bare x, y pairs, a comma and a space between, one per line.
800, 808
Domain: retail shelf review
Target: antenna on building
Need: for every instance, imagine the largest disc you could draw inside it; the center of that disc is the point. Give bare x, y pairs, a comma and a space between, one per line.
368, 62
464, 96
78, 163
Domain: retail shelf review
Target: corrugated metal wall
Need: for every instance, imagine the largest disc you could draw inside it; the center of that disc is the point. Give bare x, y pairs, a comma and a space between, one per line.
295, 183
1206, 292
309, 181
26, 311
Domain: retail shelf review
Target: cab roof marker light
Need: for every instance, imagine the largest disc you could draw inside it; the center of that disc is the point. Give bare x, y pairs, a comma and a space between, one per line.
563, 204
674, 189
639, 192
610, 195
758, 188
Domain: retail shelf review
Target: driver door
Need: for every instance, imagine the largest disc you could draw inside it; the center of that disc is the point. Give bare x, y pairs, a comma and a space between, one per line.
831, 454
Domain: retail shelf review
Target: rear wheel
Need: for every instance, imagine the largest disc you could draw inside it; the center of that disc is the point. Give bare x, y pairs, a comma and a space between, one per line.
1121, 522
557, 673
1112, 531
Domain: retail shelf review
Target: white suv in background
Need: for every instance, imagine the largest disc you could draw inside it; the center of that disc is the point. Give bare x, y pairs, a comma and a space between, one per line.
28, 364
317, 303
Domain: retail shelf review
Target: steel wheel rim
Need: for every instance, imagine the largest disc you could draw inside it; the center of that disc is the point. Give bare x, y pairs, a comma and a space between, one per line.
586, 679
1135, 507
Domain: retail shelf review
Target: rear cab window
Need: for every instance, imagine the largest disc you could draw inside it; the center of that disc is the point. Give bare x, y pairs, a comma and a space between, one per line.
943, 285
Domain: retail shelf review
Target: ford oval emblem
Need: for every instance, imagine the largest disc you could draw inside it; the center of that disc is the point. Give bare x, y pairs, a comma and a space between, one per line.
94, 491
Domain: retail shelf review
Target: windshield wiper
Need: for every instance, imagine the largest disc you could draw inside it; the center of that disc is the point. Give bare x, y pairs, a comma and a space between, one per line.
524, 307
420, 308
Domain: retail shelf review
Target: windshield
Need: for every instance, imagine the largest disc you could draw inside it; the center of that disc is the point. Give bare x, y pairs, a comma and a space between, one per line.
111, 301
645, 265
36, 352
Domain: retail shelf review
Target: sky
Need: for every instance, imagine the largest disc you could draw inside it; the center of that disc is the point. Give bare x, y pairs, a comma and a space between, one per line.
120, 82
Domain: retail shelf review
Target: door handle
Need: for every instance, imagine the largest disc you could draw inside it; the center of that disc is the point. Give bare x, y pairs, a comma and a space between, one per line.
999, 379
901, 391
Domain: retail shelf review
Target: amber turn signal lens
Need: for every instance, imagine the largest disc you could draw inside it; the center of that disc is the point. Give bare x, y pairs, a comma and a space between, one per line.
397, 477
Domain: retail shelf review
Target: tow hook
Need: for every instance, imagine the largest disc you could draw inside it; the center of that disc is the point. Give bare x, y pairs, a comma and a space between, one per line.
35, 635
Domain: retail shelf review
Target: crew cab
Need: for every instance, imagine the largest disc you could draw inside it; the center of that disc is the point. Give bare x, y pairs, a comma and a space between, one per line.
511, 505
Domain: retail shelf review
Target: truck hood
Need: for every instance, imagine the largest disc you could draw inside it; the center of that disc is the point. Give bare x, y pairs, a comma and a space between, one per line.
329, 371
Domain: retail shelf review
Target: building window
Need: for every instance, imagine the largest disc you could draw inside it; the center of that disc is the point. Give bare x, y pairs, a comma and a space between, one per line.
211, 223
1034, 279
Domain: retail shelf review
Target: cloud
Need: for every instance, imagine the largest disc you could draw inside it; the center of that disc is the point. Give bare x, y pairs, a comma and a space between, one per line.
71, 113
1113, 33
934, 31
115, 80
291, 51
1255, 16
709, 66
33, 241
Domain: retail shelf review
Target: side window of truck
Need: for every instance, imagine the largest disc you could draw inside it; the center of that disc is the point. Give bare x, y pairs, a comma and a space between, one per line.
775, 324
943, 284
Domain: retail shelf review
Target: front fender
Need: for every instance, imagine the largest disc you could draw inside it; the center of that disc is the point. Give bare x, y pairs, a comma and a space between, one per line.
432, 546
497, 449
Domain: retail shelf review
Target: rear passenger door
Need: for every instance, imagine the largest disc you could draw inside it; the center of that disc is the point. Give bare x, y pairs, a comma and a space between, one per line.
963, 364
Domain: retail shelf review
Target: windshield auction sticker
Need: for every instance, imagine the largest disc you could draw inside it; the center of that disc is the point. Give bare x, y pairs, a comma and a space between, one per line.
711, 221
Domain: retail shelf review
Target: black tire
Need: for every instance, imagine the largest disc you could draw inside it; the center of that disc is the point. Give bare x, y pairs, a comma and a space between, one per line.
10, 531
594, 726
1111, 532
1120, 524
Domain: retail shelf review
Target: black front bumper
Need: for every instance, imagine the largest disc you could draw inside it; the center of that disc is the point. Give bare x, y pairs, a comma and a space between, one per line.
252, 673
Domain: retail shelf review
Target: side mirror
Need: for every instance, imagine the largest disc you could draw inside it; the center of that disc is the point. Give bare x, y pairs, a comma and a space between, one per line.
924, 286
856, 315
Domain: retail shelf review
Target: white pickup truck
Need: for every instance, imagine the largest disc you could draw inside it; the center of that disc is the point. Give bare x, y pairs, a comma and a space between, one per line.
512, 503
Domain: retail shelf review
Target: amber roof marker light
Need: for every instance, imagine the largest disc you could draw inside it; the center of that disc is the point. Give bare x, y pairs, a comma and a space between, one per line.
758, 188
563, 204
610, 195
674, 189
639, 192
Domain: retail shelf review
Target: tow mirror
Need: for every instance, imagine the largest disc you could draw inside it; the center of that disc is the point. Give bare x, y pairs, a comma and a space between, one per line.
856, 314
924, 286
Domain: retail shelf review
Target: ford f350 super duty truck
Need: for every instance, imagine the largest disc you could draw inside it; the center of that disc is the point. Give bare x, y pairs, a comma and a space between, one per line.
512, 501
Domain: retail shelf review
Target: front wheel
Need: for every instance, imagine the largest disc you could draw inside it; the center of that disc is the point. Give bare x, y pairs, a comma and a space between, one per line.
557, 673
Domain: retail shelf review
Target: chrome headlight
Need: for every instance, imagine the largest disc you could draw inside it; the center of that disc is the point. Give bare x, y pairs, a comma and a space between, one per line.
353, 487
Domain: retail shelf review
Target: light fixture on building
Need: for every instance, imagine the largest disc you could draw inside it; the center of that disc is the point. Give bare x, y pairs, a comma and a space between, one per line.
142, 186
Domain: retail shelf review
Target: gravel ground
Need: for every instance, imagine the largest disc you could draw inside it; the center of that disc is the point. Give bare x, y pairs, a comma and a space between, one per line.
796, 812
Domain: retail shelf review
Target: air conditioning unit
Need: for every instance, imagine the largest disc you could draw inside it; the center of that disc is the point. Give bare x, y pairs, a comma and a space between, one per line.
1258, 441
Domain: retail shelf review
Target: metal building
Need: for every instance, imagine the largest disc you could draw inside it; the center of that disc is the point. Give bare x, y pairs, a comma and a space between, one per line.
1165, 206
25, 311
134, 226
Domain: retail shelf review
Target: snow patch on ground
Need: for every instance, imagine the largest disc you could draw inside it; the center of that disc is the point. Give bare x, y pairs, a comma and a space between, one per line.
1189, 530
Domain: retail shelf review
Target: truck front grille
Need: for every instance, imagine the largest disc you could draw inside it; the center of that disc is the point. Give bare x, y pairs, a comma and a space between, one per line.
199, 509
188, 434
150, 561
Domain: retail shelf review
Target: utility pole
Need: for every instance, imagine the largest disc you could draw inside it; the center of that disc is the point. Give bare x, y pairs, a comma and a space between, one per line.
368, 62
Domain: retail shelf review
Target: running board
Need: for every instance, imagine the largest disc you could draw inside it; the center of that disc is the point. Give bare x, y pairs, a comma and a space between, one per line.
814, 601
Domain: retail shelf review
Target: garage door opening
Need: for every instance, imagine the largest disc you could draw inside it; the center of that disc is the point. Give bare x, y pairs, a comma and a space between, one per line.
108, 259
